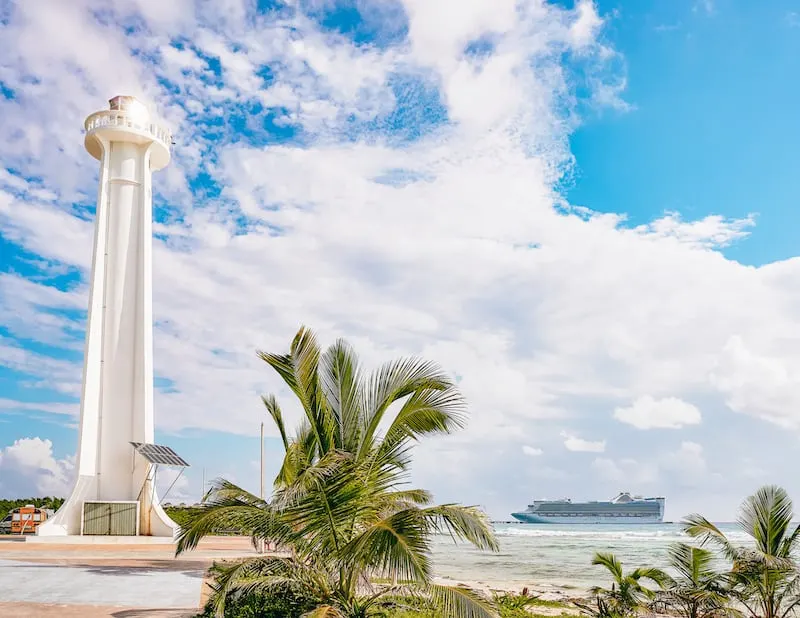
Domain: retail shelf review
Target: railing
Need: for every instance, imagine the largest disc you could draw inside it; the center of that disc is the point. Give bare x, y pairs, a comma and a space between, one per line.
121, 119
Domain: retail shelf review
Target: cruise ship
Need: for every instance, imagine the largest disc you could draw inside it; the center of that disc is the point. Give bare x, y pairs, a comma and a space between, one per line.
624, 509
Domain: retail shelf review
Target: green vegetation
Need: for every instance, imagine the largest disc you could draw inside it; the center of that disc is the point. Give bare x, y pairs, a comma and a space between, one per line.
48, 502
628, 595
182, 515
7, 505
698, 590
279, 605
341, 509
762, 579
522, 605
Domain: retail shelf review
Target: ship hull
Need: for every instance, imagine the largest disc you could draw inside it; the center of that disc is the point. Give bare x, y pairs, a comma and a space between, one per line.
532, 518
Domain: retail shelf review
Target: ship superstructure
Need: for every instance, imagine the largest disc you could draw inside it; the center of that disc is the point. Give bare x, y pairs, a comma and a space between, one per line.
624, 508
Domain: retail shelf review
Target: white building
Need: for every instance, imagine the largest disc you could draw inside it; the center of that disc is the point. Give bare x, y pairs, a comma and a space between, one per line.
117, 396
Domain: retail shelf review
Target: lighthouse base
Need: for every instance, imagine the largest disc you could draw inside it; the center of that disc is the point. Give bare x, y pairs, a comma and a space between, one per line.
152, 522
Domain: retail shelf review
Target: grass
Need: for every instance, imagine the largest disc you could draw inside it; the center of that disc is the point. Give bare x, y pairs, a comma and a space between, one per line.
537, 602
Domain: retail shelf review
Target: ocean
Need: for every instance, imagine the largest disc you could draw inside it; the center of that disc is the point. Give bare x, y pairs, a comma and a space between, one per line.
559, 555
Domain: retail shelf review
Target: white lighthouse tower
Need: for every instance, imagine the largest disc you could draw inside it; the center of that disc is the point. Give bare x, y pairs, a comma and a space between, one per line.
114, 479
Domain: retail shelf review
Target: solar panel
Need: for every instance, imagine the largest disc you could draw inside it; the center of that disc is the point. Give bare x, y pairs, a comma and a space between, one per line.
157, 454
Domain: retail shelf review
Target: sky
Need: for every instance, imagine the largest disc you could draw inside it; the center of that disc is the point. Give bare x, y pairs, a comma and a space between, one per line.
586, 212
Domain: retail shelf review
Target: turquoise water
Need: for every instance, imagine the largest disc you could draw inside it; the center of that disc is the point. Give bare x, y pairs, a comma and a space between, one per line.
532, 554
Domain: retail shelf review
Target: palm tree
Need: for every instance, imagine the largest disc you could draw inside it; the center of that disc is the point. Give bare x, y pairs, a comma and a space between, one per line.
627, 595
698, 590
764, 577
340, 504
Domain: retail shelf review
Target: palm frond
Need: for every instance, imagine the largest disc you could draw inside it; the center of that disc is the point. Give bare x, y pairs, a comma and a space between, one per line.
655, 575
459, 602
229, 507
398, 546
610, 562
700, 528
394, 381
428, 411
271, 404
262, 574
299, 370
693, 564
463, 522
766, 516
340, 378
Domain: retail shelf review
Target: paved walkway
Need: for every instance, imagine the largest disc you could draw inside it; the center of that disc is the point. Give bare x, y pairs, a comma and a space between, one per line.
123, 581
124, 586
47, 610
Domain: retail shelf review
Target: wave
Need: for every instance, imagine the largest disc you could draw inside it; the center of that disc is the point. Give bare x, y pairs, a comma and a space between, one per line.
591, 532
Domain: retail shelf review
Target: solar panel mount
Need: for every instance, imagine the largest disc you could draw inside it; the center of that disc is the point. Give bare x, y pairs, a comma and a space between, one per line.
159, 454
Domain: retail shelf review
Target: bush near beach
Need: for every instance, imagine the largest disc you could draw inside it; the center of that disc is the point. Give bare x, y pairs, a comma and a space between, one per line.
713, 577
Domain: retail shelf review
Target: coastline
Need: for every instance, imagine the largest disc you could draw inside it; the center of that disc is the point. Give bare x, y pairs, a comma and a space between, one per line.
544, 590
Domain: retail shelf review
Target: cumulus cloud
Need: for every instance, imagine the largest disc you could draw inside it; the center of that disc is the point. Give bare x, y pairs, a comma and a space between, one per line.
687, 464
579, 445
683, 467
174, 487
28, 467
628, 471
667, 413
763, 383
531, 451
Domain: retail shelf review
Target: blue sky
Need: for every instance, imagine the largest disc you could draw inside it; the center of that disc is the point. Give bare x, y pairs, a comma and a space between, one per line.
715, 127
586, 211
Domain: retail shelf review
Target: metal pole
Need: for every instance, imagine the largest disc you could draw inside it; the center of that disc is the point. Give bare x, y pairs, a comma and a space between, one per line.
262, 460
261, 468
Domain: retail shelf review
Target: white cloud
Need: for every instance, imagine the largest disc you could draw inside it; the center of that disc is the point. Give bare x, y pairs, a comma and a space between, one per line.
764, 384
174, 488
541, 308
531, 451
706, 6
667, 413
684, 467
579, 445
28, 467
629, 472
687, 465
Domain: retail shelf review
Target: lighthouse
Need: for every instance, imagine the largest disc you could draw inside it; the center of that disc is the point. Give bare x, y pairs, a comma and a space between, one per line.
114, 492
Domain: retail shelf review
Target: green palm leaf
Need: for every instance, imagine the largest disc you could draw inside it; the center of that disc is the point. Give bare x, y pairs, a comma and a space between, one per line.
611, 563
398, 547
460, 602
274, 410
463, 523
340, 378
392, 382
